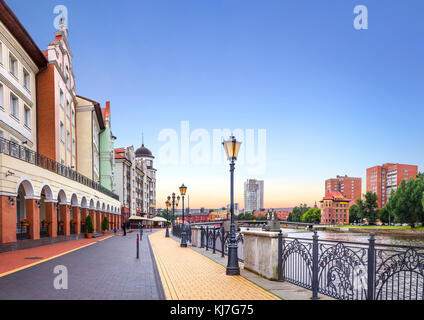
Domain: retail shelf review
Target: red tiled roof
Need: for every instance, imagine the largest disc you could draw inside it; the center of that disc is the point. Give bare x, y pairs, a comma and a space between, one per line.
335, 195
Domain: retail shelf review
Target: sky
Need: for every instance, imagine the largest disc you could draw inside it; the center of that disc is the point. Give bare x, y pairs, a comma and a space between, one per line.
329, 99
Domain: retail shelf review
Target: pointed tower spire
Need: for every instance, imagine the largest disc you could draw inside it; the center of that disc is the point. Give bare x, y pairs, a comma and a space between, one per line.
142, 138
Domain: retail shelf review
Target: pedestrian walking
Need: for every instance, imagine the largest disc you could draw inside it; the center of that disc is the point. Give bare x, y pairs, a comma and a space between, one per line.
114, 230
124, 227
141, 234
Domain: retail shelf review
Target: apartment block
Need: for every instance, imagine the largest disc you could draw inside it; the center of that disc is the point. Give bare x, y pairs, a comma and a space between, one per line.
384, 179
349, 187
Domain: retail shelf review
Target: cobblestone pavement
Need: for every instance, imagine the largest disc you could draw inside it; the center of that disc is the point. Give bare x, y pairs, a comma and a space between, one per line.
104, 270
188, 275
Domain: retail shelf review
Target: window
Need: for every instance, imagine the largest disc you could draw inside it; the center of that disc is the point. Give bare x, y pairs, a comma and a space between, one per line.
73, 117
14, 106
61, 98
68, 140
62, 132
68, 109
1, 96
73, 147
27, 116
27, 80
13, 66
1, 53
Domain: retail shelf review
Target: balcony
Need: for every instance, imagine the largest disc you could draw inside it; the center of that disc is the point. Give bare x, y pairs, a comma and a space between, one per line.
22, 153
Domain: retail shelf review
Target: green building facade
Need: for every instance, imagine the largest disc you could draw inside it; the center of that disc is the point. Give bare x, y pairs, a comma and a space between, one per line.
107, 156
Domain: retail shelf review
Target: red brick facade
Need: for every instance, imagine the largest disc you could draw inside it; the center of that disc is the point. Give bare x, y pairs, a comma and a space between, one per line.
385, 179
334, 208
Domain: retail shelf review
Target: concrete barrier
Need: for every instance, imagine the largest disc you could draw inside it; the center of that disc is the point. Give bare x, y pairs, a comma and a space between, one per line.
196, 236
261, 253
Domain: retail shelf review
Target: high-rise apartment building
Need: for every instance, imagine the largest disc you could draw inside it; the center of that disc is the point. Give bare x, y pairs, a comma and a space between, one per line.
253, 195
350, 188
385, 179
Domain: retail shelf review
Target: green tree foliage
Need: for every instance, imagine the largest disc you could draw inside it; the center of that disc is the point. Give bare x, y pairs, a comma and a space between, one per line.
105, 224
297, 213
355, 212
384, 214
312, 215
370, 205
89, 224
406, 203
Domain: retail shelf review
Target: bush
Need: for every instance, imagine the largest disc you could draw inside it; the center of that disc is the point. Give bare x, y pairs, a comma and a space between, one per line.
89, 224
105, 224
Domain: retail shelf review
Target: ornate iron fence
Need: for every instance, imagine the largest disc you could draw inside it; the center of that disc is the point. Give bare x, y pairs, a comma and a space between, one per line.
217, 239
352, 270
23, 153
178, 229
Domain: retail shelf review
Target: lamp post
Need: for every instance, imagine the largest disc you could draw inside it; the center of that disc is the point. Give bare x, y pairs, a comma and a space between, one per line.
183, 190
175, 201
232, 147
168, 204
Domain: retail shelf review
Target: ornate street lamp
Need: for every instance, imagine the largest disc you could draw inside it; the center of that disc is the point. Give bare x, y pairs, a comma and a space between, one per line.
183, 190
168, 204
175, 201
232, 148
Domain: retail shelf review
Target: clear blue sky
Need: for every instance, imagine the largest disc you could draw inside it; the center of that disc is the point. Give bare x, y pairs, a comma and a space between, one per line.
333, 100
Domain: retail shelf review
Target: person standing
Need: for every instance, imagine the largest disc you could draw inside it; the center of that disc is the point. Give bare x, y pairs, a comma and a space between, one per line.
124, 227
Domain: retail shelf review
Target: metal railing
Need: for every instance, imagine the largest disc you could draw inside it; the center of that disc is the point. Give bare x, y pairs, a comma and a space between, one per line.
217, 239
22, 153
352, 270
178, 229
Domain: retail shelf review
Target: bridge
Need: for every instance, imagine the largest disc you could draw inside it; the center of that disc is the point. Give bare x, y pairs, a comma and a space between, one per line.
256, 223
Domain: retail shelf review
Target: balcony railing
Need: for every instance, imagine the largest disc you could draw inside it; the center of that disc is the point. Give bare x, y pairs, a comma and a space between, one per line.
22, 153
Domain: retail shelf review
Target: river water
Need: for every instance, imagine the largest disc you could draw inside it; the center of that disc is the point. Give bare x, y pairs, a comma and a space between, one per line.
408, 240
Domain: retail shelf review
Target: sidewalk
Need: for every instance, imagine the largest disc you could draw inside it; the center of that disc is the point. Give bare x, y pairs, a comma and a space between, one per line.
189, 275
14, 261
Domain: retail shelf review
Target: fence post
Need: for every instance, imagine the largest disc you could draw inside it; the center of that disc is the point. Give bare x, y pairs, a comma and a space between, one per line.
280, 256
214, 239
315, 283
371, 267
207, 238
202, 235
222, 241
138, 240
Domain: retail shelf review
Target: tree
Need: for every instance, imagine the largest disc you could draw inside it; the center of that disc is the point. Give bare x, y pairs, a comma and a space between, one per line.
384, 214
105, 224
354, 213
297, 213
312, 215
370, 205
406, 203
89, 224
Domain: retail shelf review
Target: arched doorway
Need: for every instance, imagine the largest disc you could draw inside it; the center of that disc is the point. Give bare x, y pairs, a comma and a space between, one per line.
22, 229
61, 199
46, 194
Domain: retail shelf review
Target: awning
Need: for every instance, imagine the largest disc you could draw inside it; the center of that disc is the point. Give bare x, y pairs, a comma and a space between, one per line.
137, 218
159, 219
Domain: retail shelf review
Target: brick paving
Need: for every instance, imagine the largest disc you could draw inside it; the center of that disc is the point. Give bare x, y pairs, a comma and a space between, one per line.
188, 275
102, 270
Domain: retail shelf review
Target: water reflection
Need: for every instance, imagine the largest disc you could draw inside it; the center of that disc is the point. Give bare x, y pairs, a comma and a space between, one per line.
408, 240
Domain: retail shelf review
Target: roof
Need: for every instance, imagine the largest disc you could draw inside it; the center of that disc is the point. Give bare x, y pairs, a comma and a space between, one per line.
15, 27
143, 152
335, 195
97, 109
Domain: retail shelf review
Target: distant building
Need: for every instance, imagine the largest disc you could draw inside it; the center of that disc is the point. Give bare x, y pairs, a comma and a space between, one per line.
385, 179
253, 195
236, 208
334, 208
349, 187
280, 214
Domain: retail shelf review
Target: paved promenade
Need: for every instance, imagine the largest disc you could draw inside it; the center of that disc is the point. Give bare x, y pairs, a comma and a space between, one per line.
105, 269
188, 275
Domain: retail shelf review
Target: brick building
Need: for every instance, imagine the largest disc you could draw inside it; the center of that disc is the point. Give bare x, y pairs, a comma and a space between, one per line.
349, 187
334, 208
385, 179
